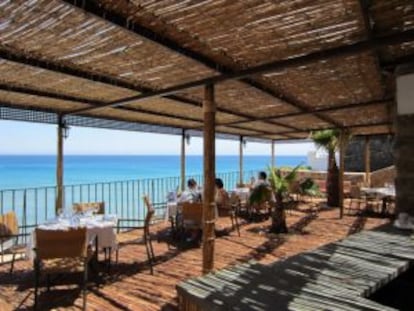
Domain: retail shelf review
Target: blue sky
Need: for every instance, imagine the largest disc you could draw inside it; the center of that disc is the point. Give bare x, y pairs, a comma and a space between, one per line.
34, 138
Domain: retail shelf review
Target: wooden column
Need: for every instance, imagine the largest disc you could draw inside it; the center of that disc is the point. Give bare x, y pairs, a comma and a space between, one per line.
209, 205
342, 149
367, 154
241, 160
272, 162
183, 141
59, 165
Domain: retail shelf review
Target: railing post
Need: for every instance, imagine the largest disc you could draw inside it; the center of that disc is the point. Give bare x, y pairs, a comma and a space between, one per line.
241, 160
59, 165
367, 155
182, 177
343, 140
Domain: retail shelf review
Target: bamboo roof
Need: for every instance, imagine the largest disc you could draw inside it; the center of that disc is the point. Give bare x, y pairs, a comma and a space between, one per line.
280, 68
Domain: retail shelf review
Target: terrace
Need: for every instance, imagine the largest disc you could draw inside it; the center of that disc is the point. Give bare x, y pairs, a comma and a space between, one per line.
256, 71
130, 286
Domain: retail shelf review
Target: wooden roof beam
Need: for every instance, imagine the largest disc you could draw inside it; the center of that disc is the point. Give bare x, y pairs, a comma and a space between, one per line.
98, 10
341, 51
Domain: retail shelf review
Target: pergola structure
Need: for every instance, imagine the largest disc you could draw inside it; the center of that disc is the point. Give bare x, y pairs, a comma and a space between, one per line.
256, 70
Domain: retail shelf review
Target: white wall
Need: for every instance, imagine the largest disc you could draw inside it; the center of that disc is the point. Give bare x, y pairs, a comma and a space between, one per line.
405, 94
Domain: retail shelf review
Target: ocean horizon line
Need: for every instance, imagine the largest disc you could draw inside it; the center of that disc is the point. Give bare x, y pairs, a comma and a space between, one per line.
149, 154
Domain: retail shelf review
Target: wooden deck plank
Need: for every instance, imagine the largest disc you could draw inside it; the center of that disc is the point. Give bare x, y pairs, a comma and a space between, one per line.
336, 276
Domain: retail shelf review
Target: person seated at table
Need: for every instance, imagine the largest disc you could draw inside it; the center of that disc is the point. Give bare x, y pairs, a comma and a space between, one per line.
261, 194
261, 180
191, 194
222, 197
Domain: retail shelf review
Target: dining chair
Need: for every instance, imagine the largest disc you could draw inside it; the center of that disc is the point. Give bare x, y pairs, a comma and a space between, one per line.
355, 199
146, 232
61, 252
9, 238
231, 210
96, 207
191, 221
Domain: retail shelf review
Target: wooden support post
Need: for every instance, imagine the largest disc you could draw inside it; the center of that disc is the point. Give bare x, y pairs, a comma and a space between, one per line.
209, 205
59, 166
367, 154
272, 162
183, 141
342, 149
241, 160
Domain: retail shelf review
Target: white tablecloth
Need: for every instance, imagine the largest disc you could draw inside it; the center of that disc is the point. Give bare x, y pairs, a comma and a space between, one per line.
98, 226
171, 210
380, 192
242, 193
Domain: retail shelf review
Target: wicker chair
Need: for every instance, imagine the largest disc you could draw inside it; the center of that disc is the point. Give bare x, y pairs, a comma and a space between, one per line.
231, 210
9, 238
191, 220
61, 251
146, 232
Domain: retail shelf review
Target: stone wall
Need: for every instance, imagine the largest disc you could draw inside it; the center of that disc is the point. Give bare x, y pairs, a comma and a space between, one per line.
381, 153
404, 163
350, 178
381, 177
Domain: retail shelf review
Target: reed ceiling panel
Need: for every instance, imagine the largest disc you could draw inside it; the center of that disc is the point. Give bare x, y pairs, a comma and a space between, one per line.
392, 15
23, 75
143, 118
57, 31
32, 101
393, 53
299, 135
279, 137
244, 99
248, 32
362, 115
264, 126
242, 132
304, 122
337, 81
175, 108
372, 130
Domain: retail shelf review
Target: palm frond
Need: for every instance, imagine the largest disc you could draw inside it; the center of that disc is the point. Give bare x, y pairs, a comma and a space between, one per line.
326, 139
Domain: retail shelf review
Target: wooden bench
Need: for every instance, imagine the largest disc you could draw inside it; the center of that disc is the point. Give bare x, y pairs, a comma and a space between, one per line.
339, 276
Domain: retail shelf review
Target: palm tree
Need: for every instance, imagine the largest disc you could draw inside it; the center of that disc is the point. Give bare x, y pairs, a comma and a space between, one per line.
275, 194
330, 140
280, 185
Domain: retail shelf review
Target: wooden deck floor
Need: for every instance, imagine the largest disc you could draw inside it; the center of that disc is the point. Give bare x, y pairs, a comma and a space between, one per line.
131, 287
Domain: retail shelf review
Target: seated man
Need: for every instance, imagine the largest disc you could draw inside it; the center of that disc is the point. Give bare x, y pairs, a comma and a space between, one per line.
191, 194
261, 195
261, 180
222, 198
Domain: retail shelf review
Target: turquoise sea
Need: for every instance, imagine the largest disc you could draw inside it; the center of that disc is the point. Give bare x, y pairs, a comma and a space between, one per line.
28, 171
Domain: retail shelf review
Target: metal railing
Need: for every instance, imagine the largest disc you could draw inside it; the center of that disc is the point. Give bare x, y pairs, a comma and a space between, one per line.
34, 206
